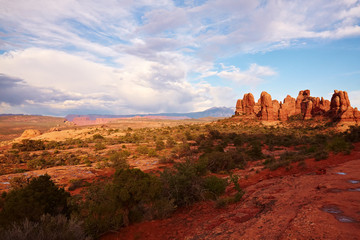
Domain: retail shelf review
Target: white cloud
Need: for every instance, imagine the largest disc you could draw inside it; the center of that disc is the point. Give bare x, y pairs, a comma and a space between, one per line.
137, 85
251, 77
354, 97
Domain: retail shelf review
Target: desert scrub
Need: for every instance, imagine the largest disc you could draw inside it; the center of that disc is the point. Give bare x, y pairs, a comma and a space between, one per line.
321, 155
224, 201
353, 134
31, 201
98, 137
152, 153
29, 145
99, 146
38, 162
215, 186
142, 149
185, 183
119, 159
166, 159
76, 183
109, 206
160, 145
170, 142
48, 227
339, 144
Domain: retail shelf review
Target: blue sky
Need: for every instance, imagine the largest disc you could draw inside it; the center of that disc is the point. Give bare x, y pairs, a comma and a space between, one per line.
146, 56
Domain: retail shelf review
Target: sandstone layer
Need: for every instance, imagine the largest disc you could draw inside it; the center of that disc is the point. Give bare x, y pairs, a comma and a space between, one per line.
303, 107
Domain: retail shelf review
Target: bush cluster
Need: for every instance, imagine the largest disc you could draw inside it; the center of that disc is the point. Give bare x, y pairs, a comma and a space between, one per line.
29, 145
32, 200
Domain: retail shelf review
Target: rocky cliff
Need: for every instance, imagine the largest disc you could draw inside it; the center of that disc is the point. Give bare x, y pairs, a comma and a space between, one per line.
304, 106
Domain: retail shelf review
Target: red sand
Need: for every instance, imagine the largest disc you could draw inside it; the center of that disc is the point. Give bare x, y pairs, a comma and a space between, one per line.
293, 204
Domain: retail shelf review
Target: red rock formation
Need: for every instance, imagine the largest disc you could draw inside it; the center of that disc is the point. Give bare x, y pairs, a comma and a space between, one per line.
248, 103
276, 108
287, 109
306, 108
302, 95
321, 106
239, 108
245, 105
267, 109
339, 109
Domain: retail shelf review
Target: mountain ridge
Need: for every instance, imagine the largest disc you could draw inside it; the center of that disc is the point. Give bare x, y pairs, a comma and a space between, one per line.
211, 112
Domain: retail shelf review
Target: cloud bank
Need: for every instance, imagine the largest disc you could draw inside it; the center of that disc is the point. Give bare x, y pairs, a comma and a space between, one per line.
125, 57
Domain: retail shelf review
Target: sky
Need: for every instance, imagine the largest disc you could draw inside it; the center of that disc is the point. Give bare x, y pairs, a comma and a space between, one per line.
154, 56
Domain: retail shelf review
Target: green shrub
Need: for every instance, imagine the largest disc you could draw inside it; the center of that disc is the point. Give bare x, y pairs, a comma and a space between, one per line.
353, 134
161, 208
75, 184
37, 163
218, 161
339, 144
296, 117
183, 149
99, 146
273, 164
216, 186
152, 153
29, 145
183, 184
240, 192
18, 182
170, 142
99, 210
160, 145
119, 159
132, 187
125, 200
188, 136
255, 152
39, 197
215, 134
321, 155
98, 137
142, 149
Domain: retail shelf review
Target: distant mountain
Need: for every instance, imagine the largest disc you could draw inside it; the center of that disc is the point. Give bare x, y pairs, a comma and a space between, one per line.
211, 112
10, 114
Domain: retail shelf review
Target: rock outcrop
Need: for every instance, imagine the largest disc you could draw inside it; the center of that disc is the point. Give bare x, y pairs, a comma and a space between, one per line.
30, 133
340, 108
305, 107
287, 109
245, 105
267, 110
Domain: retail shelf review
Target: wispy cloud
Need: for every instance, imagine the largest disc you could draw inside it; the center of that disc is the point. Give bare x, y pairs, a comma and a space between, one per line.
251, 76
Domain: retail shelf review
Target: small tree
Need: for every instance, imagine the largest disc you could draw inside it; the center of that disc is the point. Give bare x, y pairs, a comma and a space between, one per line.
132, 187
40, 196
160, 145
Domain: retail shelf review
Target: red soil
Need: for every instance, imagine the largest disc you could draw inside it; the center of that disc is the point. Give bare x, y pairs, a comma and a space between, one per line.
304, 202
